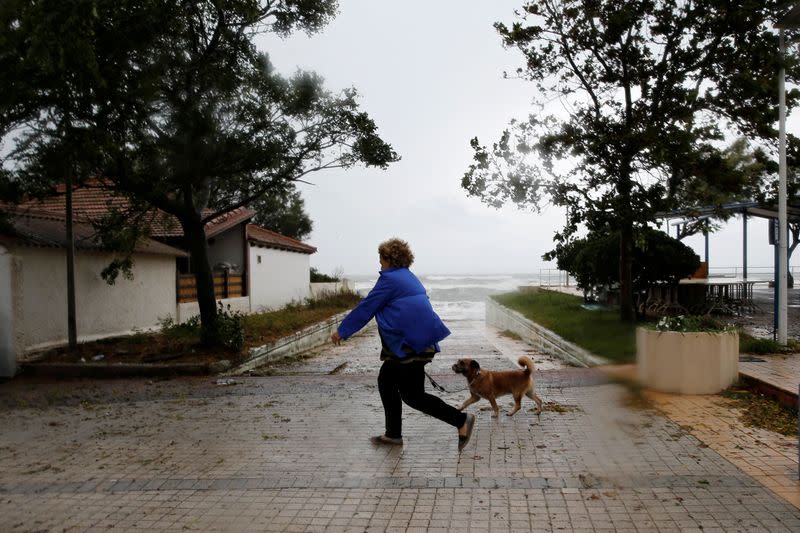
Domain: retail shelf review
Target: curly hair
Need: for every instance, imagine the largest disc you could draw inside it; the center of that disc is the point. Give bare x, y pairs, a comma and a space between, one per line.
397, 253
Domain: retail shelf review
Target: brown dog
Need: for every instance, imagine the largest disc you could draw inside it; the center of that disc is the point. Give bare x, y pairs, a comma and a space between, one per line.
491, 384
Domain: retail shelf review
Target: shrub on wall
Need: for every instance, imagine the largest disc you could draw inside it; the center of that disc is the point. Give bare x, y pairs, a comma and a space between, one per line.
319, 277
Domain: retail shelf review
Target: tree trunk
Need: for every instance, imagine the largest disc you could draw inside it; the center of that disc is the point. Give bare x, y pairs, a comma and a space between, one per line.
195, 238
626, 309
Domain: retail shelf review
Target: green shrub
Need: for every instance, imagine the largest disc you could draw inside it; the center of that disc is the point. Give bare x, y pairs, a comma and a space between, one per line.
138, 337
190, 328
266, 326
687, 323
343, 298
319, 277
230, 328
657, 258
754, 345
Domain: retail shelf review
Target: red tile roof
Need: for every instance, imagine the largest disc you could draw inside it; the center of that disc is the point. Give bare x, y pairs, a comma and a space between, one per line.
270, 239
94, 200
226, 220
47, 229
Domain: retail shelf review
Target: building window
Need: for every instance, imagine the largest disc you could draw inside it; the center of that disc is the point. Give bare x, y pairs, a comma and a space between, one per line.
258, 259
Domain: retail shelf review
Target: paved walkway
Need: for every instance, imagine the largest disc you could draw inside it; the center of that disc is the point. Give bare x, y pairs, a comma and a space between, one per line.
768, 457
290, 452
781, 372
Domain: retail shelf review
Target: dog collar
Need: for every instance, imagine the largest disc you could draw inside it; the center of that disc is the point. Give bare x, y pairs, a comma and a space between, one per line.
478, 373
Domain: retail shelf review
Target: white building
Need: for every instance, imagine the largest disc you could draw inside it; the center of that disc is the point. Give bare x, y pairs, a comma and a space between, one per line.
33, 287
255, 269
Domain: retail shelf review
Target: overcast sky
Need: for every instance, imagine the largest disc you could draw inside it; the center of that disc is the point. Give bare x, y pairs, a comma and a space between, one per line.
430, 75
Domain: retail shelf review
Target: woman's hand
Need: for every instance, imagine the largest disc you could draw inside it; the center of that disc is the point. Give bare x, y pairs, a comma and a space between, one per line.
335, 338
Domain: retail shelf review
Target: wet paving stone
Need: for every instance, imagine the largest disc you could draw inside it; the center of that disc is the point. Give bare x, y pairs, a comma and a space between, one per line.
290, 452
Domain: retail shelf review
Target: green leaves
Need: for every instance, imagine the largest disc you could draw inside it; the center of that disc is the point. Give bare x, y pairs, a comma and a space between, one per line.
651, 94
172, 103
645, 85
657, 257
309, 16
283, 211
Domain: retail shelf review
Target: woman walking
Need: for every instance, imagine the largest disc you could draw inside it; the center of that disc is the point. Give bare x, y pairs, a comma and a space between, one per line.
410, 332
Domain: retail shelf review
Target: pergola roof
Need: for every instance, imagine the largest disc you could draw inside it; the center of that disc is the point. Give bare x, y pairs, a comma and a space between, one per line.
747, 208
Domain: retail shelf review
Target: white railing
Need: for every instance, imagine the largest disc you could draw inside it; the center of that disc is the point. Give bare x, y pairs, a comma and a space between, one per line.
553, 277
763, 273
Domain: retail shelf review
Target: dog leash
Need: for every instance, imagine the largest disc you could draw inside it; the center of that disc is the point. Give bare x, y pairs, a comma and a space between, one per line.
439, 387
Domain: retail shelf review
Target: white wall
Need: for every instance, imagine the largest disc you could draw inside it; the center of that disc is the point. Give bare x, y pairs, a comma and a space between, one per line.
323, 288
280, 278
187, 310
228, 247
101, 310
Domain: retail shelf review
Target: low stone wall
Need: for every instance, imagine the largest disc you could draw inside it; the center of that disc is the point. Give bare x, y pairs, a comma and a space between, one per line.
304, 340
540, 338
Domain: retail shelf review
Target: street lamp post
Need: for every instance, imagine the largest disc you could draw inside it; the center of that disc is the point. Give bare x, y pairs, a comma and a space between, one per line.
790, 20
783, 308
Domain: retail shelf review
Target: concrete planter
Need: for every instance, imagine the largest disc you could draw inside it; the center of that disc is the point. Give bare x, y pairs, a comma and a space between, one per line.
687, 363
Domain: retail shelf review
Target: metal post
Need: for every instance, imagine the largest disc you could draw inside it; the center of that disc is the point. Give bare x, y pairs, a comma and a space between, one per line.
744, 245
775, 291
783, 309
705, 234
72, 329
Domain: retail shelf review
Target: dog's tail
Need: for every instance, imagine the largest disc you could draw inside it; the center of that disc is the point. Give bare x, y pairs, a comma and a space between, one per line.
527, 363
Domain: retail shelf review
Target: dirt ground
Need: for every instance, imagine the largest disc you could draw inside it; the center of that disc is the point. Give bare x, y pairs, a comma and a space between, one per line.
151, 348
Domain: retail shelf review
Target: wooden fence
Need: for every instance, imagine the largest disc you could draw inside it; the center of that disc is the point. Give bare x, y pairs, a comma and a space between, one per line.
226, 285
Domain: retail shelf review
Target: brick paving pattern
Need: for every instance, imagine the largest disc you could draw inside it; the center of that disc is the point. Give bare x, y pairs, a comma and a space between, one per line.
289, 451
768, 457
780, 371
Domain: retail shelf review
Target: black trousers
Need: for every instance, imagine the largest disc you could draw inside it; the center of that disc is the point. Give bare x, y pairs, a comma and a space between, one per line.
405, 382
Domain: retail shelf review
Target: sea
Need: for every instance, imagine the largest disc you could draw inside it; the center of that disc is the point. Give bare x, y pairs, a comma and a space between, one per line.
463, 296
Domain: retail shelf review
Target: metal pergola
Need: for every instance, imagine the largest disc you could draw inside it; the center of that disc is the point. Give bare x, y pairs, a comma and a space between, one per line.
745, 209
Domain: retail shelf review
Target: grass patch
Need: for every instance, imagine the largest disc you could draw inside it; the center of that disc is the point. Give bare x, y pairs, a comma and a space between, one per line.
266, 327
755, 345
601, 332
762, 411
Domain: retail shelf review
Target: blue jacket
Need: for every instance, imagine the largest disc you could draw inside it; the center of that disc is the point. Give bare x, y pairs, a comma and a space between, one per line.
403, 313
